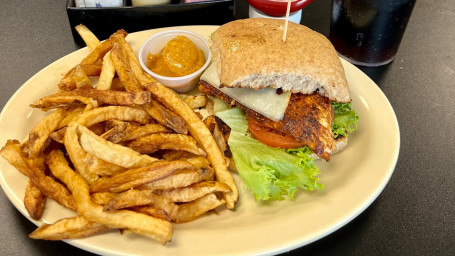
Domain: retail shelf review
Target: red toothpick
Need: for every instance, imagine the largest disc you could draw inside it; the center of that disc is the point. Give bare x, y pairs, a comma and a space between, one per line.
286, 21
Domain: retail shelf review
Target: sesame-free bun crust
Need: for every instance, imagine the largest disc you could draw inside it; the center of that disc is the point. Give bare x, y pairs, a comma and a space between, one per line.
251, 53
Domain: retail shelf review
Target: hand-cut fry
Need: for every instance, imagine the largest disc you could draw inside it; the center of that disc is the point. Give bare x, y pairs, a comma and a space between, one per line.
60, 100
77, 154
138, 176
49, 187
11, 152
58, 135
32, 169
152, 211
107, 73
97, 53
193, 192
89, 38
102, 114
91, 96
80, 78
180, 179
221, 132
194, 101
142, 224
124, 61
34, 201
159, 141
190, 211
166, 117
122, 67
102, 198
178, 155
134, 64
135, 197
108, 97
67, 83
40, 133
135, 132
116, 133
110, 152
72, 114
201, 134
102, 168
68, 228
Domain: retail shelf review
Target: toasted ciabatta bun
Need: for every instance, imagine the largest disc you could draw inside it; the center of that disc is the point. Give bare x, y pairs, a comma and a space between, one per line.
251, 53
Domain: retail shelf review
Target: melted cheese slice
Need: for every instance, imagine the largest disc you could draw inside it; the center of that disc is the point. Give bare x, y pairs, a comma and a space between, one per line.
264, 101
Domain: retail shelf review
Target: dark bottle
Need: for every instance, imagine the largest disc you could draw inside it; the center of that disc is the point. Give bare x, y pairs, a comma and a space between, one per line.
368, 32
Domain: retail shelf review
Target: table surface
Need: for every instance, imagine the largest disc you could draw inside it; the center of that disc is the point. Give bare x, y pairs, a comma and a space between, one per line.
414, 215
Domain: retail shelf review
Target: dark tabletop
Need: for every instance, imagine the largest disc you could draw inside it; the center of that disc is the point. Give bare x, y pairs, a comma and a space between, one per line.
414, 215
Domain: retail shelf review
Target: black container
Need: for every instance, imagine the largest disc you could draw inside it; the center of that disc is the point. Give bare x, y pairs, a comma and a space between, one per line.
369, 32
105, 21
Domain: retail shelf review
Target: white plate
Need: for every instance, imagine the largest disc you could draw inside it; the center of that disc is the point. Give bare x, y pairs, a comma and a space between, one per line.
353, 179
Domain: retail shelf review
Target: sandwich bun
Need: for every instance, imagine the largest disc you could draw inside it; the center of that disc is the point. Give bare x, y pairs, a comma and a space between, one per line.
251, 53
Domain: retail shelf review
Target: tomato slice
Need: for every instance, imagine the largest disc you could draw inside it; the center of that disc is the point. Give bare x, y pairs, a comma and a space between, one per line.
271, 138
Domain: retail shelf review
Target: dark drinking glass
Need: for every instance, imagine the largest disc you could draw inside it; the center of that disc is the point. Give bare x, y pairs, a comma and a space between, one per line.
368, 32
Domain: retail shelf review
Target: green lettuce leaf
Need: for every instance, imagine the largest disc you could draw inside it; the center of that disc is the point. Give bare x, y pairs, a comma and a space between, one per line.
345, 119
269, 173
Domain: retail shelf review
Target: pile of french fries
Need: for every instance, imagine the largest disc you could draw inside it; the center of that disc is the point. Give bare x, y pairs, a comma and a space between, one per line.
121, 150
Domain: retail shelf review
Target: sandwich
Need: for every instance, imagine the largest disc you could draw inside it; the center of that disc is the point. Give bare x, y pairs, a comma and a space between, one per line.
292, 102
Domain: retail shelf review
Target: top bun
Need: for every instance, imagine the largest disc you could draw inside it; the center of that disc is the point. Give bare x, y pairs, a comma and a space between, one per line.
251, 53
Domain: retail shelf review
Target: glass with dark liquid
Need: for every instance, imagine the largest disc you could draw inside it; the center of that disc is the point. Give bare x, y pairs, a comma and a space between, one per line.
368, 32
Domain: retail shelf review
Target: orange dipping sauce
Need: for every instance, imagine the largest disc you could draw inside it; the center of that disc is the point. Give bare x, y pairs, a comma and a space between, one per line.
179, 57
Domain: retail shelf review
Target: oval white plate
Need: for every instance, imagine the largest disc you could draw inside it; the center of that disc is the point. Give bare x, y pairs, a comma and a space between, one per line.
353, 179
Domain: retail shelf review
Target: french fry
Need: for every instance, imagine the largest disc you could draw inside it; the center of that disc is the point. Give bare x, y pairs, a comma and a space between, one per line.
97, 53
201, 134
80, 78
68, 228
134, 64
178, 155
39, 135
194, 101
89, 38
72, 114
220, 132
102, 114
135, 132
49, 187
152, 211
190, 211
165, 117
77, 154
103, 97
102, 198
107, 73
142, 224
100, 167
32, 169
123, 69
110, 152
180, 179
116, 133
12, 153
61, 100
138, 176
34, 201
67, 83
194, 191
135, 197
160, 141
